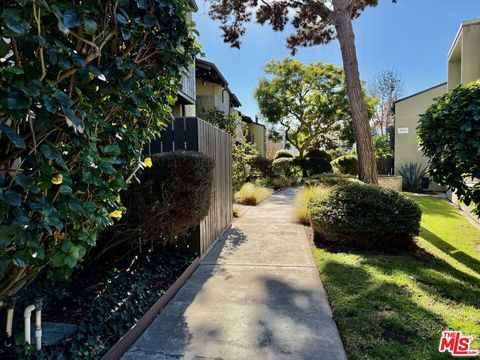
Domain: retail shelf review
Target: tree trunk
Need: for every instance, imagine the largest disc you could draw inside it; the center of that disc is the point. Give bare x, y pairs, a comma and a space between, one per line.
367, 165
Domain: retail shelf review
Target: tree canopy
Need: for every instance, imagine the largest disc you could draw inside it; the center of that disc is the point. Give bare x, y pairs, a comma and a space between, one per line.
387, 87
315, 22
309, 101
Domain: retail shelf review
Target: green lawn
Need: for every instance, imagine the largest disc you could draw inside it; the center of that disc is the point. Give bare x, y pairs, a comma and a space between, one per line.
395, 307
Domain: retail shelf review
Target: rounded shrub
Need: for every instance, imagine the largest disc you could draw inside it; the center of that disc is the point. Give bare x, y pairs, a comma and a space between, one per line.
347, 164
286, 167
316, 162
365, 216
330, 179
318, 154
173, 196
283, 154
261, 167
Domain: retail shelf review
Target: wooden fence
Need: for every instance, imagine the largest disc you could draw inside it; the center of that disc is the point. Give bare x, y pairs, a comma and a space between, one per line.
194, 134
385, 166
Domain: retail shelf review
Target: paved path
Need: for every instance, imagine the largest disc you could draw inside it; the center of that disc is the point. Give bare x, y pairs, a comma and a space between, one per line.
256, 295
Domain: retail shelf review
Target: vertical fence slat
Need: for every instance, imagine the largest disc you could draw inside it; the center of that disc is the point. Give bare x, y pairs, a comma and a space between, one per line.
179, 133
197, 135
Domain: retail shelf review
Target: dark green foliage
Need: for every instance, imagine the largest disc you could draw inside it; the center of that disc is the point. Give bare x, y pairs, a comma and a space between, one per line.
330, 179
412, 175
243, 152
105, 301
287, 167
336, 153
318, 154
450, 137
283, 154
262, 167
316, 162
347, 164
173, 196
366, 216
83, 87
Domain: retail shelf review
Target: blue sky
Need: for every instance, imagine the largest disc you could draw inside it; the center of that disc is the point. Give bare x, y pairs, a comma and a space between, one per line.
413, 37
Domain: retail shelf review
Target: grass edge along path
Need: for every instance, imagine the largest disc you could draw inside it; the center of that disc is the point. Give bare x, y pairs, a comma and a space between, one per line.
396, 306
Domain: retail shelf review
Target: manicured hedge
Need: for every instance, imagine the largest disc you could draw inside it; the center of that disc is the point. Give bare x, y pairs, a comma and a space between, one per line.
366, 216
330, 179
283, 154
316, 162
173, 195
347, 164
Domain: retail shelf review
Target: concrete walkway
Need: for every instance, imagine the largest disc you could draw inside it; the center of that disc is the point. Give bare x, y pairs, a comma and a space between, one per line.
256, 295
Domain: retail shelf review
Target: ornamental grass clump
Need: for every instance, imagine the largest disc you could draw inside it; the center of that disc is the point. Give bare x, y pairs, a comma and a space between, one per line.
365, 216
303, 198
251, 194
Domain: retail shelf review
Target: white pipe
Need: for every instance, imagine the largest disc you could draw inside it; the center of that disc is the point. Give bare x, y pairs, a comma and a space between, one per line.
26, 317
8, 329
38, 329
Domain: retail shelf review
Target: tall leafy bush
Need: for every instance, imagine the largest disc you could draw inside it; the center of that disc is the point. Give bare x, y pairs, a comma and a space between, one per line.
83, 86
450, 136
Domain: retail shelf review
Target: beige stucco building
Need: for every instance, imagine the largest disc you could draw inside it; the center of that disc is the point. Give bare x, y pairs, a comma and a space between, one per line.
463, 66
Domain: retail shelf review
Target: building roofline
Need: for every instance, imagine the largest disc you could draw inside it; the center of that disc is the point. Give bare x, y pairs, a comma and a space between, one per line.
193, 5
459, 32
212, 67
420, 92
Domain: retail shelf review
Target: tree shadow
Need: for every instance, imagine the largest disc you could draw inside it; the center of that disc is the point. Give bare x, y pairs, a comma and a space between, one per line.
451, 250
296, 322
379, 319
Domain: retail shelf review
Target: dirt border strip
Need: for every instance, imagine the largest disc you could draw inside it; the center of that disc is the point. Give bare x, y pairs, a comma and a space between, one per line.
127, 340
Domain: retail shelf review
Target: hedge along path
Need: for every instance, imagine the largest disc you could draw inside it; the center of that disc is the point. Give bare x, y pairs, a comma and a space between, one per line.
256, 295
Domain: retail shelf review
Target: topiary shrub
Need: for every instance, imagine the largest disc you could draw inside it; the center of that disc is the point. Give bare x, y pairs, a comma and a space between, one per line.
173, 197
330, 179
286, 167
283, 154
449, 134
365, 216
316, 162
261, 167
336, 153
83, 86
347, 164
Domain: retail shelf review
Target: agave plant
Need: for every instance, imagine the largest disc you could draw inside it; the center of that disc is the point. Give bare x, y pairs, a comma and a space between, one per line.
412, 175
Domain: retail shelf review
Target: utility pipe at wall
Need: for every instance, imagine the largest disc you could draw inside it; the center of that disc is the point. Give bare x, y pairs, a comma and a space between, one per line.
38, 324
10, 305
26, 318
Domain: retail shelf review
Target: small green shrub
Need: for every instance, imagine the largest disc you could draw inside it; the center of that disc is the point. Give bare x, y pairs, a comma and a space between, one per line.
283, 154
412, 174
303, 198
251, 194
330, 179
261, 167
366, 216
347, 164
